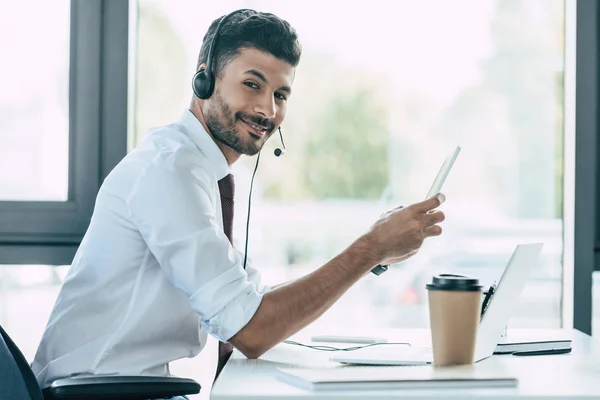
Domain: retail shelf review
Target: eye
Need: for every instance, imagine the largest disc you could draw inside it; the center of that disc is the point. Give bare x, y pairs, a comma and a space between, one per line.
280, 96
251, 85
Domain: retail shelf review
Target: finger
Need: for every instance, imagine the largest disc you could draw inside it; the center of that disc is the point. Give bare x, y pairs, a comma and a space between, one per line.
430, 204
409, 255
434, 230
401, 258
433, 217
395, 209
385, 214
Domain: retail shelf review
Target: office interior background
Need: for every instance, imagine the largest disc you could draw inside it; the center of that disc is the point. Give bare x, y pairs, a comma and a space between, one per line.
383, 92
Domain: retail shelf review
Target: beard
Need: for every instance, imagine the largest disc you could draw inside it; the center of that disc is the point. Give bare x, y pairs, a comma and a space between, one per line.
222, 125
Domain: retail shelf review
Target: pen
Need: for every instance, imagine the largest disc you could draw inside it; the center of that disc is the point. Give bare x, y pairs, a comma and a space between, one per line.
487, 298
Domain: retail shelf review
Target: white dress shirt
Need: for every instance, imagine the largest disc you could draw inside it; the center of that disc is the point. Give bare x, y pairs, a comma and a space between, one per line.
154, 272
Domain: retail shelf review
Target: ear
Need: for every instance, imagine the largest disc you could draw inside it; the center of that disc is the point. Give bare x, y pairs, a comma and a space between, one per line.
201, 67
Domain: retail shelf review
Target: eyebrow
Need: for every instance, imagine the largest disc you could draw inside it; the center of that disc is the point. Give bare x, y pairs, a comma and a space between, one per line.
264, 79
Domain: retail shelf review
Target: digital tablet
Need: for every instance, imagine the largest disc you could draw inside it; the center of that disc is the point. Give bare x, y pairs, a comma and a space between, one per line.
436, 187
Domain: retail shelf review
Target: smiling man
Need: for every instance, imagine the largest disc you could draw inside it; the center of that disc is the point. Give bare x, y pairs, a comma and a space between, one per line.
156, 271
256, 87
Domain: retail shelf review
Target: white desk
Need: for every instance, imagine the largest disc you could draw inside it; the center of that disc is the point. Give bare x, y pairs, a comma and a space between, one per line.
567, 376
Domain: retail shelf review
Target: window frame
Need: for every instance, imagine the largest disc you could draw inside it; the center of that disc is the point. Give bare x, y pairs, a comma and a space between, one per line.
44, 232
584, 206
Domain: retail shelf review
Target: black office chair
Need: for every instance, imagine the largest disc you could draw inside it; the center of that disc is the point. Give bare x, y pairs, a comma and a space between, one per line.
17, 381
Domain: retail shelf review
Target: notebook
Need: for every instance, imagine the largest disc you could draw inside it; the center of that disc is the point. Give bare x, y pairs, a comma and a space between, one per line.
411, 377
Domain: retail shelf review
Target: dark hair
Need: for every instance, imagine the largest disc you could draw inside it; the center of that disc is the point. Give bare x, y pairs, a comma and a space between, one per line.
250, 29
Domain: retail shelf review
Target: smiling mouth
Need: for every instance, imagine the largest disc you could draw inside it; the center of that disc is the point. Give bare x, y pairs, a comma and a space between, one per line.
256, 130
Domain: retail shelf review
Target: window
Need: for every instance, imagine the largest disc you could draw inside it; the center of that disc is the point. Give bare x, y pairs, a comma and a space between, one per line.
27, 295
63, 126
59, 132
34, 102
381, 95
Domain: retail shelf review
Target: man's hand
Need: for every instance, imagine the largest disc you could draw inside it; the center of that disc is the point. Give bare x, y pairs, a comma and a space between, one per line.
399, 233
289, 308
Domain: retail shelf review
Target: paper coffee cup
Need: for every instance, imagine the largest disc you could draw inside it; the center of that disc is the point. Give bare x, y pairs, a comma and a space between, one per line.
454, 314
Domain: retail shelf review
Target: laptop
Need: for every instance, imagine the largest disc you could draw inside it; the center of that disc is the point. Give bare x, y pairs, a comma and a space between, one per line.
491, 327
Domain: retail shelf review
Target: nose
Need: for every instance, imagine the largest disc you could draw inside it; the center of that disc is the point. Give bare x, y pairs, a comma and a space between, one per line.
266, 106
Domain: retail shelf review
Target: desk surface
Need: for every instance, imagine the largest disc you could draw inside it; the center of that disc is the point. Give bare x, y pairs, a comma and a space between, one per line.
567, 376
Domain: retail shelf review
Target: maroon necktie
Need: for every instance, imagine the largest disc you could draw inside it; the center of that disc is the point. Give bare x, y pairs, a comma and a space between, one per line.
226, 188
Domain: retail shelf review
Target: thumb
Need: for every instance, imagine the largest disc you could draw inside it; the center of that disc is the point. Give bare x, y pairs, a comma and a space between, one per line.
431, 203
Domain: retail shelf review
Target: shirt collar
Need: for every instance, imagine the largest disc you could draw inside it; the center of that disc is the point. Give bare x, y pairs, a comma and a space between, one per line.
205, 143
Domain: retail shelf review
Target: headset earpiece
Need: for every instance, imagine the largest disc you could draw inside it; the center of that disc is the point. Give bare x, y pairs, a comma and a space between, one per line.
203, 84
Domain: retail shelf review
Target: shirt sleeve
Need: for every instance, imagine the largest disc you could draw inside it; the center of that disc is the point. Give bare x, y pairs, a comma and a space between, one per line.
254, 275
172, 205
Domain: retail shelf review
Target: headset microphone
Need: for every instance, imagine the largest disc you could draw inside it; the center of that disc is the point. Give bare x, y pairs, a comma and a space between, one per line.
278, 152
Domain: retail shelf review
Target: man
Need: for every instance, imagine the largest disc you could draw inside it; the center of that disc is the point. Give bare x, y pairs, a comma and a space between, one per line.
155, 272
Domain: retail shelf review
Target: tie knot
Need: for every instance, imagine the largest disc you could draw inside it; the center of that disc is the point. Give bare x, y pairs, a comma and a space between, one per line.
227, 186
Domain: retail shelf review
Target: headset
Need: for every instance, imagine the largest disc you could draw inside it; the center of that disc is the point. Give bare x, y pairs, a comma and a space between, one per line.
203, 85
203, 82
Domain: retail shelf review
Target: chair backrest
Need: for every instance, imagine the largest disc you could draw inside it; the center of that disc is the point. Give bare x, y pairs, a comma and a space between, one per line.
17, 380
